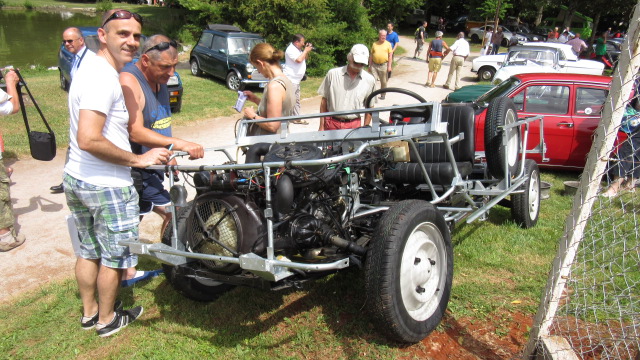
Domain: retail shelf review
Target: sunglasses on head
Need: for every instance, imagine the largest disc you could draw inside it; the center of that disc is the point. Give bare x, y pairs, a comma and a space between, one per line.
125, 15
163, 46
69, 41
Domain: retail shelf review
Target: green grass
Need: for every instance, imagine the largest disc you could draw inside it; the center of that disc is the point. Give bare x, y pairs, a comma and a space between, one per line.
499, 269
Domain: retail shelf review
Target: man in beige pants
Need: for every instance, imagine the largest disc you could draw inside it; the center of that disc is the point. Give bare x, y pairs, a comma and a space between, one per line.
460, 50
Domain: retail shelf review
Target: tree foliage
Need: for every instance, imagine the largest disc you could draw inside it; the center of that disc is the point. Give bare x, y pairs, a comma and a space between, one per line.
333, 26
488, 8
383, 11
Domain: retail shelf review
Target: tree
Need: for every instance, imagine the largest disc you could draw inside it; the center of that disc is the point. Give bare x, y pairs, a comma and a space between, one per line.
383, 11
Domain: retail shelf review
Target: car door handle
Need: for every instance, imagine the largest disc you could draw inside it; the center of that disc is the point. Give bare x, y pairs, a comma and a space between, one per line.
567, 124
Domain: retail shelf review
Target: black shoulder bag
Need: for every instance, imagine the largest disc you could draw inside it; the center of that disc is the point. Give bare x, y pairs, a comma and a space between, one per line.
42, 144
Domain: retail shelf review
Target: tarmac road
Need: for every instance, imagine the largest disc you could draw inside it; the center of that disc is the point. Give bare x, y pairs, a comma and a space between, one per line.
47, 254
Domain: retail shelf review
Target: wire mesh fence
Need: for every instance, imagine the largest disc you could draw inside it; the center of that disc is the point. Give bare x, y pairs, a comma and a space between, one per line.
591, 306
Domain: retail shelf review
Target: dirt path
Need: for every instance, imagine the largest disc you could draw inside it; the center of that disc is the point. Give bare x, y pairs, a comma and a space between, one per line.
47, 254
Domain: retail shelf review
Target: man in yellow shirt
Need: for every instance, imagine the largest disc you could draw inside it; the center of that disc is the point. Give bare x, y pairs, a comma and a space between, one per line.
380, 59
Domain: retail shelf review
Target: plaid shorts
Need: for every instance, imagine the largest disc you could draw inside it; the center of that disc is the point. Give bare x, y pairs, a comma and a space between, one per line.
104, 216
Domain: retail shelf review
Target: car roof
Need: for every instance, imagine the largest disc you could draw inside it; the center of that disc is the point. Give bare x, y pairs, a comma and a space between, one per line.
89, 30
229, 30
563, 77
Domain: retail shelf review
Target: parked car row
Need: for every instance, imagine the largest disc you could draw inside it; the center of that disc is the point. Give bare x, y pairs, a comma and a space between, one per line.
65, 61
533, 57
521, 32
571, 105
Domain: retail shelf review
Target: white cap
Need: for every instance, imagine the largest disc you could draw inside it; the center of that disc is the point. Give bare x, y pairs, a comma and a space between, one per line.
360, 54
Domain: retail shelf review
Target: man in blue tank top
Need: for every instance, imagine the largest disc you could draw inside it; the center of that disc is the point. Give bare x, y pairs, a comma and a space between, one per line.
144, 85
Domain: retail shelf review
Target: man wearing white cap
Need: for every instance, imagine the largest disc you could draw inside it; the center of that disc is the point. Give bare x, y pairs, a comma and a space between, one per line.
346, 88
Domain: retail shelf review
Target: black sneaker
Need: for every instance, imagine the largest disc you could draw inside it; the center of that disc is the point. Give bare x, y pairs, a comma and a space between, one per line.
91, 323
121, 319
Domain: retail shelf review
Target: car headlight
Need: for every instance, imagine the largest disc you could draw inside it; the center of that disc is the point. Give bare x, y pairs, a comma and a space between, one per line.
173, 80
250, 68
535, 38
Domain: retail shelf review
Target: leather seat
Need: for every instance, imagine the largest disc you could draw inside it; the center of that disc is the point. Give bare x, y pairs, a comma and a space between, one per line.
459, 118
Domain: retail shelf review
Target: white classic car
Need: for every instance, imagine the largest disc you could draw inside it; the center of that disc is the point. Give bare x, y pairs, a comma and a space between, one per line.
533, 57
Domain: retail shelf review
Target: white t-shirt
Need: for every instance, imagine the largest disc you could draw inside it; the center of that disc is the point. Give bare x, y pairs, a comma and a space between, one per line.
460, 48
292, 69
96, 87
6, 107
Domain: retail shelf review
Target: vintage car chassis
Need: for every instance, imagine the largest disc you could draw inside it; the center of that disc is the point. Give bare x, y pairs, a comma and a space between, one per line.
424, 297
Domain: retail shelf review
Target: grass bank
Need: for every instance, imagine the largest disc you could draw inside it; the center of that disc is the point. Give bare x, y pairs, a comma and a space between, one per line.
203, 98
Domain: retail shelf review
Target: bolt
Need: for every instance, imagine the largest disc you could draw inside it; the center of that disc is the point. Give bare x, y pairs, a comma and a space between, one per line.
417, 261
420, 289
432, 262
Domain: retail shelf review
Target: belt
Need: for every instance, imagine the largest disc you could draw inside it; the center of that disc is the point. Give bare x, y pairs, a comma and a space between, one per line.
344, 120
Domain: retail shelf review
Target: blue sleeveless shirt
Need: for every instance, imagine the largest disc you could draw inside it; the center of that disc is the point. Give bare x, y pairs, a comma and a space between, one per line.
156, 112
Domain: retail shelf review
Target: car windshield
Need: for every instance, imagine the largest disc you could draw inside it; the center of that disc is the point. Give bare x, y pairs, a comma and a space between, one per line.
242, 46
500, 90
528, 56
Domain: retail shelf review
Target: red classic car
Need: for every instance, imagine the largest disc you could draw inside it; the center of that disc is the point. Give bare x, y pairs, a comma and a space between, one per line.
571, 105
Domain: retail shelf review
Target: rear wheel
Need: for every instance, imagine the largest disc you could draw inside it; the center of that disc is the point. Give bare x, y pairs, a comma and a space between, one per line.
502, 159
194, 288
475, 38
64, 84
409, 270
525, 207
195, 68
486, 73
234, 82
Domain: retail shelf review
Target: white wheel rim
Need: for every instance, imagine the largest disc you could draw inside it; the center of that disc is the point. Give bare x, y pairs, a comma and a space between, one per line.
512, 139
534, 196
423, 271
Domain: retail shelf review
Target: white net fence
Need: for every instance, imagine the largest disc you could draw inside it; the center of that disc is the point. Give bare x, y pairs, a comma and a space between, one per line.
591, 306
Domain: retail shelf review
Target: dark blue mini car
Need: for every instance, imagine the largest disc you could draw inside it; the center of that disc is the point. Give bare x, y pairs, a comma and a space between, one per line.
65, 60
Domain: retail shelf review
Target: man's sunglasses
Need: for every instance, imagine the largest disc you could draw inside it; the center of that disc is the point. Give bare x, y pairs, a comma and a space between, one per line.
163, 46
69, 41
125, 15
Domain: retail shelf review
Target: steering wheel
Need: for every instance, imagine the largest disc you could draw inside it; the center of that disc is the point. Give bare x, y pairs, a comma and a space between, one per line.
398, 115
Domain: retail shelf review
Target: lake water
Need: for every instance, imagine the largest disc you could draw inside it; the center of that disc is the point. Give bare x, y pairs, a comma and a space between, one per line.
33, 37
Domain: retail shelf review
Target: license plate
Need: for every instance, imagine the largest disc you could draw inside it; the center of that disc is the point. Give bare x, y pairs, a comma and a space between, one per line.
263, 85
173, 100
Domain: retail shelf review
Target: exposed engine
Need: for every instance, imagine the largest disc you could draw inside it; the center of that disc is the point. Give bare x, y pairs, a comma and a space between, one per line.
313, 205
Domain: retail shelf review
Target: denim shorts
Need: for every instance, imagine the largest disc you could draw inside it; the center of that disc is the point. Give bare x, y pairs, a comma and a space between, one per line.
104, 216
153, 191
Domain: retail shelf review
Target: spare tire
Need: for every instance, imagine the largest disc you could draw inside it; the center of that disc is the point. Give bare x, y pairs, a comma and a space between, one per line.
502, 111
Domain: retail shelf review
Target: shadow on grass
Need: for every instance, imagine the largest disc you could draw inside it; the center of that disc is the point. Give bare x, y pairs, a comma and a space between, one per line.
332, 306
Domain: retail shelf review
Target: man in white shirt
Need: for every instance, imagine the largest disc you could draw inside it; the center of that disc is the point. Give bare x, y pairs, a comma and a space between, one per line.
295, 66
73, 41
97, 178
460, 50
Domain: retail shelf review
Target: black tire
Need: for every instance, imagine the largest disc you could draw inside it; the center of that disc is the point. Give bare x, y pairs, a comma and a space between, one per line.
525, 207
505, 42
195, 289
475, 38
409, 270
486, 73
195, 67
501, 111
64, 84
234, 82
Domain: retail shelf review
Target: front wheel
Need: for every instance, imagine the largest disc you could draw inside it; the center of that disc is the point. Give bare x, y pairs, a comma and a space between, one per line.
475, 38
409, 271
234, 82
194, 288
525, 207
486, 73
